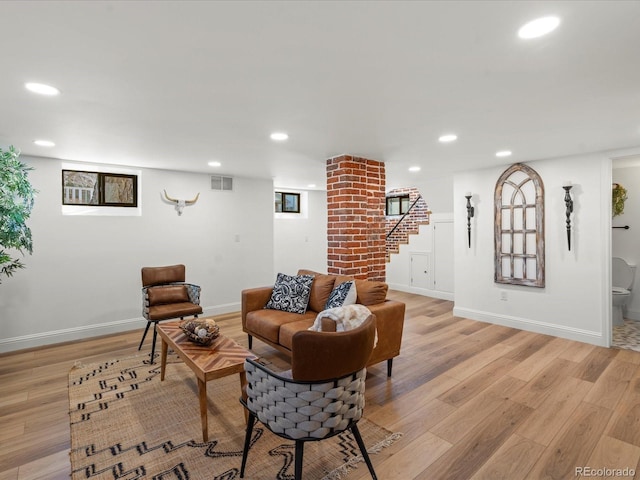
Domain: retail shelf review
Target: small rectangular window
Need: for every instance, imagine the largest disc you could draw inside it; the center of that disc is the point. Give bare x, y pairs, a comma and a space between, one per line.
99, 189
397, 205
287, 202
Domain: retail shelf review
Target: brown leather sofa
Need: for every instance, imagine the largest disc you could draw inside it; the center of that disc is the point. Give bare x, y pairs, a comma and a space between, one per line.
276, 328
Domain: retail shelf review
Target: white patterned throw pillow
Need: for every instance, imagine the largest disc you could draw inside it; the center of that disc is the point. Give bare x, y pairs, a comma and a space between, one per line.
342, 295
290, 293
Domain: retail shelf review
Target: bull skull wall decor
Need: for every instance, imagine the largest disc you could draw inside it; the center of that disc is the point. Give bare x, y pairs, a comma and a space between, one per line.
180, 204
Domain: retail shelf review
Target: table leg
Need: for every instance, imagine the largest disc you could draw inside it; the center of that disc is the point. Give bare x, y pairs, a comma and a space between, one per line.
202, 394
163, 359
243, 383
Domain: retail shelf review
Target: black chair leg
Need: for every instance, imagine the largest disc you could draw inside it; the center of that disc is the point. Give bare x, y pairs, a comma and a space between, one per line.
247, 442
250, 341
153, 344
144, 335
389, 366
363, 449
299, 455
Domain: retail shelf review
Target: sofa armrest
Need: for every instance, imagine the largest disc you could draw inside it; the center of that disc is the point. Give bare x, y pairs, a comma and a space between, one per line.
341, 353
389, 324
254, 299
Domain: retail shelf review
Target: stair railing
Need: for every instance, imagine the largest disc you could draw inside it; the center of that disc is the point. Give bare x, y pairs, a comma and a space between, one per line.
403, 216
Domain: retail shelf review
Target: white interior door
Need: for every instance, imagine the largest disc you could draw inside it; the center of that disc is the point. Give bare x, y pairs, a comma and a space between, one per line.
443, 256
420, 270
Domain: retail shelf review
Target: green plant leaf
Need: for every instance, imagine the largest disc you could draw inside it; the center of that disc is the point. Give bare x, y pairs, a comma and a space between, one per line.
17, 198
619, 196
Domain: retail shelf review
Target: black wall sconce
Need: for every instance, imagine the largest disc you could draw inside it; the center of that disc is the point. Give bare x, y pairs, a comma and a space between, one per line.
470, 212
568, 202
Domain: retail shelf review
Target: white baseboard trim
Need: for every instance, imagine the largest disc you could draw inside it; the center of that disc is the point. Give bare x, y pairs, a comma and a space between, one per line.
570, 333
88, 331
69, 334
221, 309
632, 314
422, 291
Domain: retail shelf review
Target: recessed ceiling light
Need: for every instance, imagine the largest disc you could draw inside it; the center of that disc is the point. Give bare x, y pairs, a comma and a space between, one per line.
503, 153
449, 137
414, 169
214, 164
538, 27
279, 136
44, 143
42, 89
311, 185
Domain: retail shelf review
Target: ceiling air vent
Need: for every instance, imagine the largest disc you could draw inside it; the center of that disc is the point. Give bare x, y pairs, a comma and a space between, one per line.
218, 182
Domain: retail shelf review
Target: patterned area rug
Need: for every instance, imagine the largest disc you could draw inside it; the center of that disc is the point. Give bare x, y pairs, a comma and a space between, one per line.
627, 335
126, 424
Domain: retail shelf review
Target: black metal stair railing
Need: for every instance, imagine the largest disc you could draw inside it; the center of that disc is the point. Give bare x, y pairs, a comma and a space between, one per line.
403, 216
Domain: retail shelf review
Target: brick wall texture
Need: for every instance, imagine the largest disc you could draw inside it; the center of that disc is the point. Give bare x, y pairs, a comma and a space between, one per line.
419, 215
356, 222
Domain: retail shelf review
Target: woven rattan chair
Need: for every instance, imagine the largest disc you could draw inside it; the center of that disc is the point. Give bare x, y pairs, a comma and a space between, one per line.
323, 395
165, 296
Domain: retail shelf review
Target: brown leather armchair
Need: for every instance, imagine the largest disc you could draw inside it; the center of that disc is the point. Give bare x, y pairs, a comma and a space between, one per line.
166, 295
321, 397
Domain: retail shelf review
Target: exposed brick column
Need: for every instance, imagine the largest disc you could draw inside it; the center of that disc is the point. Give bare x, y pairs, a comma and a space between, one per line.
356, 222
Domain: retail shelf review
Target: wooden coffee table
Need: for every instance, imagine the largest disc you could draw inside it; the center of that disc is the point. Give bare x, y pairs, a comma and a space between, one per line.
221, 358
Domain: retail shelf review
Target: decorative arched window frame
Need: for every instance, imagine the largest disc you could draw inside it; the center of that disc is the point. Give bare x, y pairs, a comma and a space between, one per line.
519, 227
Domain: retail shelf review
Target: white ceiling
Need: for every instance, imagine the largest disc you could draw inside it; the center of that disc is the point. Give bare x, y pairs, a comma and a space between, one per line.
175, 85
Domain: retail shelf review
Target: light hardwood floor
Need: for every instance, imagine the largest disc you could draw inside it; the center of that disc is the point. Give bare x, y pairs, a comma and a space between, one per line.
473, 400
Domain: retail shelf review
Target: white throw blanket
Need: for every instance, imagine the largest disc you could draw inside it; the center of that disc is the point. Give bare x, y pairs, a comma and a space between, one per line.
347, 318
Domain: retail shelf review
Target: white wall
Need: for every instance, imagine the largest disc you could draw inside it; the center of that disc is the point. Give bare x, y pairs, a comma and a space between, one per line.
300, 240
575, 302
83, 278
626, 243
438, 193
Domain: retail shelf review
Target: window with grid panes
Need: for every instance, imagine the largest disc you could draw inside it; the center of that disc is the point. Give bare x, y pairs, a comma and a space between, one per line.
519, 227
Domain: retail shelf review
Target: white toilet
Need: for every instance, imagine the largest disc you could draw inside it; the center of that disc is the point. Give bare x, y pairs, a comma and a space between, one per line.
623, 276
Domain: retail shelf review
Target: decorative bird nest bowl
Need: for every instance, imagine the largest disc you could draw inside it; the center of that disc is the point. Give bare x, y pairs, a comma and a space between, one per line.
199, 331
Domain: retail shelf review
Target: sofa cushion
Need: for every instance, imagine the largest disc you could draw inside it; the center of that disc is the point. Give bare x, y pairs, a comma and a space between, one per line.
267, 323
371, 292
290, 293
320, 289
304, 271
166, 295
368, 292
290, 329
343, 278
173, 310
342, 295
